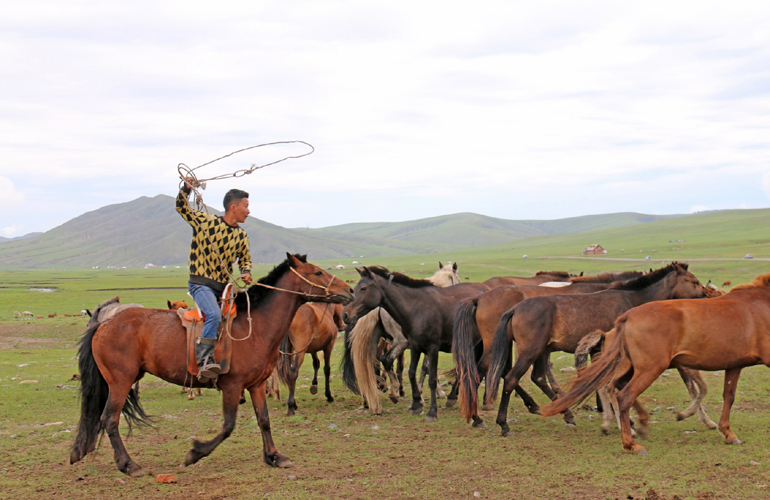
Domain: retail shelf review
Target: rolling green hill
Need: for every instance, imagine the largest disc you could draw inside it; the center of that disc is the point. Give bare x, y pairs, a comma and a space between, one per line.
148, 230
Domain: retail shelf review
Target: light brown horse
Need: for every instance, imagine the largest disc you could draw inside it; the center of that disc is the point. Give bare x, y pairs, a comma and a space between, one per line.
313, 329
477, 319
539, 277
724, 333
119, 352
541, 325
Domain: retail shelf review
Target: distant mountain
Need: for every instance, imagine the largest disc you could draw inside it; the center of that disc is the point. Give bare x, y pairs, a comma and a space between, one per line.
28, 235
148, 230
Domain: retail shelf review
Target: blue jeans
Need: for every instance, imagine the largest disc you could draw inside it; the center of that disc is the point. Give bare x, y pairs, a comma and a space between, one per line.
206, 299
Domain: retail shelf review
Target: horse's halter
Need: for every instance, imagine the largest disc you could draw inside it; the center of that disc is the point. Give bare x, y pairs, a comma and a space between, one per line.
304, 294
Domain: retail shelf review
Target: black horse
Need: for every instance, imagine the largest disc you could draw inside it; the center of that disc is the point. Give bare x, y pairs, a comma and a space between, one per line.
424, 311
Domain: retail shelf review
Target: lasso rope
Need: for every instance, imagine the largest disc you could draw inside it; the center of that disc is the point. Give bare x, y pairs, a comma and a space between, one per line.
188, 178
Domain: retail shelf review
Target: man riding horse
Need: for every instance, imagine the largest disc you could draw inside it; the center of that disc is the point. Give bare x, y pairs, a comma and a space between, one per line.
216, 245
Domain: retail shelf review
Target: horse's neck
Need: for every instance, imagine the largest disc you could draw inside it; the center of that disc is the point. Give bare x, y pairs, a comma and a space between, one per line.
276, 310
397, 299
660, 290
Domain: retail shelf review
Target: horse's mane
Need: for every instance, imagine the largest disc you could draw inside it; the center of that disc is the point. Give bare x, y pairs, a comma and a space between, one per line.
761, 281
106, 303
557, 274
401, 279
607, 277
256, 293
648, 279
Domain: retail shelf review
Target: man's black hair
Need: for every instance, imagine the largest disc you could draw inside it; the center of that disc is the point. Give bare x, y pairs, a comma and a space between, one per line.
234, 196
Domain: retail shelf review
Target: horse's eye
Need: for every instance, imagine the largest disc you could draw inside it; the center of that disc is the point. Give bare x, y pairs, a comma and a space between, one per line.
319, 273
362, 289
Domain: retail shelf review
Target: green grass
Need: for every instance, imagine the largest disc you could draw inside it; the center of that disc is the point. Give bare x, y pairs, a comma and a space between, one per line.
340, 450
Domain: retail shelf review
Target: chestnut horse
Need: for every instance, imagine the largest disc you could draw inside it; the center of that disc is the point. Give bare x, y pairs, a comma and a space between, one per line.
425, 313
313, 329
539, 277
724, 333
476, 320
115, 354
557, 323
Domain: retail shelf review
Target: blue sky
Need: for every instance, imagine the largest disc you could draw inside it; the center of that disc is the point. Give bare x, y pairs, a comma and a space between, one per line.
516, 110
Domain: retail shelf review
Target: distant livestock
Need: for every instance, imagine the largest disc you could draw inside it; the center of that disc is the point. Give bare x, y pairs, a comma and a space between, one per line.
727, 283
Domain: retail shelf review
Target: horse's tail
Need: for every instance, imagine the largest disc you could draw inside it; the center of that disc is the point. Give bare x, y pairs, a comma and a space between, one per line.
363, 342
284, 367
586, 346
465, 336
94, 393
346, 364
502, 347
613, 361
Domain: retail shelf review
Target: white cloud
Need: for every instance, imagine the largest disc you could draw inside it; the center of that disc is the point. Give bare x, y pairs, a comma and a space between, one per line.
766, 184
508, 103
9, 196
10, 231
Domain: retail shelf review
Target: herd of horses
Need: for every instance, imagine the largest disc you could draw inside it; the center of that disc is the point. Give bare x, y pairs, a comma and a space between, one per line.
632, 325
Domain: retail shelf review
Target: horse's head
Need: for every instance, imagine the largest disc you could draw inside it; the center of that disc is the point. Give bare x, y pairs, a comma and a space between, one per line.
446, 275
368, 295
177, 304
324, 287
687, 285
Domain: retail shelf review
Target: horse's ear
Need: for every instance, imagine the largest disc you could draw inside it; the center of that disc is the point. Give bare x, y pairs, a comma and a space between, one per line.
169, 303
440, 266
454, 266
292, 260
581, 274
89, 313
363, 271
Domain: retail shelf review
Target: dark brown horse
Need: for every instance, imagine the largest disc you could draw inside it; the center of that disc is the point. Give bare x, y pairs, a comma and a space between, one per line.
425, 313
120, 351
477, 319
724, 333
313, 329
543, 324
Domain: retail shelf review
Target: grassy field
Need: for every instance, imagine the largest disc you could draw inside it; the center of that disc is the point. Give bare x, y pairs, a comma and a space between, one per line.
340, 450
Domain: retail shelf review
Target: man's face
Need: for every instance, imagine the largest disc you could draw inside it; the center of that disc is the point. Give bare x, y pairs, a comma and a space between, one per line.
241, 210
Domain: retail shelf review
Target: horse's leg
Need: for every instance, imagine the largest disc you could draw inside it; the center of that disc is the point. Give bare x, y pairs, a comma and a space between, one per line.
511, 381
316, 366
111, 420
269, 451
432, 382
400, 374
643, 429
698, 389
731, 383
540, 371
608, 415
414, 360
296, 363
230, 400
328, 372
640, 381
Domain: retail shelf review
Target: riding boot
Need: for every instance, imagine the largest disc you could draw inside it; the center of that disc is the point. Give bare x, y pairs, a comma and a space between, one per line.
207, 368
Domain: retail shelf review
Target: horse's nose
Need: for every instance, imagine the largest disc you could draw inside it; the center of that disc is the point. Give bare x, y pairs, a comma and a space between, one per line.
345, 317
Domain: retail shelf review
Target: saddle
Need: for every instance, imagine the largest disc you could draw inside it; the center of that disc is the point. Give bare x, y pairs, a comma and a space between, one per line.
192, 320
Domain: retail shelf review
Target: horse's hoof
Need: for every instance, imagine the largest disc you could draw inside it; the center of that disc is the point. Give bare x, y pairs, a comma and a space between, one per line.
735, 441
605, 431
284, 463
488, 407
394, 399
637, 449
680, 417
134, 470
431, 418
479, 425
417, 412
330, 399
290, 413
450, 403
534, 410
313, 390
506, 433
192, 457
